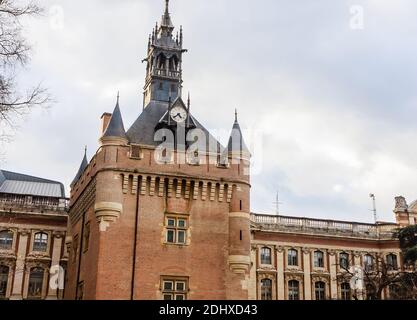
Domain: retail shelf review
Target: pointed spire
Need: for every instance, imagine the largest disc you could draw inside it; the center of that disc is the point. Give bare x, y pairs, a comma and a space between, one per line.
116, 127
83, 166
236, 142
166, 22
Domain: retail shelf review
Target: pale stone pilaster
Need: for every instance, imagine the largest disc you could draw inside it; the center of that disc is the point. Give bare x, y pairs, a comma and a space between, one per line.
307, 274
280, 274
333, 275
252, 287
17, 290
56, 257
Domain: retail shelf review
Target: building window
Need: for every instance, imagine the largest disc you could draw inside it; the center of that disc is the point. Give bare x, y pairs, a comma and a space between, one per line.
35, 283
173, 88
174, 289
344, 261
6, 240
292, 257
392, 262
318, 259
266, 256
80, 291
345, 291
266, 289
161, 86
368, 262
370, 292
136, 152
293, 290
75, 249
40, 242
86, 236
320, 290
395, 292
4, 276
176, 230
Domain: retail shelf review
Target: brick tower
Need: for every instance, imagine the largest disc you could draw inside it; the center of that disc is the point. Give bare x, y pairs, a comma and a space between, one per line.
162, 210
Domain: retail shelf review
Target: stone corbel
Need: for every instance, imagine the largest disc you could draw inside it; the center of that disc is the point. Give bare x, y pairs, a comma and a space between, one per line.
106, 213
239, 264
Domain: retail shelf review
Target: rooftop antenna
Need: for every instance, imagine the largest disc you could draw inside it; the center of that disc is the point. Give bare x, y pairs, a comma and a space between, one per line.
372, 196
277, 203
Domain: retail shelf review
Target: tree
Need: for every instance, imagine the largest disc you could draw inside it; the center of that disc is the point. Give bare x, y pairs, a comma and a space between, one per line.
14, 53
373, 278
408, 243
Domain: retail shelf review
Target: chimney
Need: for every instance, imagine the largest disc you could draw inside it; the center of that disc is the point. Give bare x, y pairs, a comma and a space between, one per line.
105, 119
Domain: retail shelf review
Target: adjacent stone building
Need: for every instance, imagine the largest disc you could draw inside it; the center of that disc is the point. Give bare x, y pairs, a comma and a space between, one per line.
162, 211
33, 223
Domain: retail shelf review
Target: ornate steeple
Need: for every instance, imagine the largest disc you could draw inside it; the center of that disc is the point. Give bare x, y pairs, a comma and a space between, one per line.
237, 146
164, 62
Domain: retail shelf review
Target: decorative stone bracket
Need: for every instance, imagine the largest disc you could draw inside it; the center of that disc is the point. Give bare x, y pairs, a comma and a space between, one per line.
239, 264
107, 212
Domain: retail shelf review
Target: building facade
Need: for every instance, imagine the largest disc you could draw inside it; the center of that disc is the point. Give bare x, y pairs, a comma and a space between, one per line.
33, 222
162, 211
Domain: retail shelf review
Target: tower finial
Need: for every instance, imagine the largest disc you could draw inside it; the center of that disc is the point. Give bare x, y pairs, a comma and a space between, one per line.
118, 96
166, 6
235, 114
85, 150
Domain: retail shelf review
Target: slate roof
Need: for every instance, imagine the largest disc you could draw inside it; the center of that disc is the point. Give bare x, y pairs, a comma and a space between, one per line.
17, 183
143, 129
236, 141
83, 166
115, 127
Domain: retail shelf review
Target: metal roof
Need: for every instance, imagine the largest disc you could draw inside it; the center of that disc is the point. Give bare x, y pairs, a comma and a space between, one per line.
16, 183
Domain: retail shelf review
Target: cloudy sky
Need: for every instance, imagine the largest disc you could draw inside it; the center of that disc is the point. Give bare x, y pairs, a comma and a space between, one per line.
331, 85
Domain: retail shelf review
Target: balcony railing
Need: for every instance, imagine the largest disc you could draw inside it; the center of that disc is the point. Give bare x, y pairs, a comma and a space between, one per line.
33, 204
166, 73
306, 225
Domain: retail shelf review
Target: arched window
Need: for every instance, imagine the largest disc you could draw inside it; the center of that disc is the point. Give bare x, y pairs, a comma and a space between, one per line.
35, 283
344, 261
266, 256
4, 276
266, 289
368, 262
320, 290
40, 242
293, 290
292, 257
392, 262
345, 291
318, 259
6, 240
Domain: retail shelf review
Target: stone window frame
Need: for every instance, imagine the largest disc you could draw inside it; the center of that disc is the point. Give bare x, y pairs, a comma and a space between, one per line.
271, 256
297, 277
393, 254
45, 284
272, 278
364, 263
177, 217
340, 290
350, 259
287, 258
326, 281
47, 252
323, 268
174, 292
14, 243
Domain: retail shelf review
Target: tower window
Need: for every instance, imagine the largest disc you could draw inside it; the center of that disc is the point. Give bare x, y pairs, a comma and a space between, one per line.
173, 88
161, 86
86, 236
176, 230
